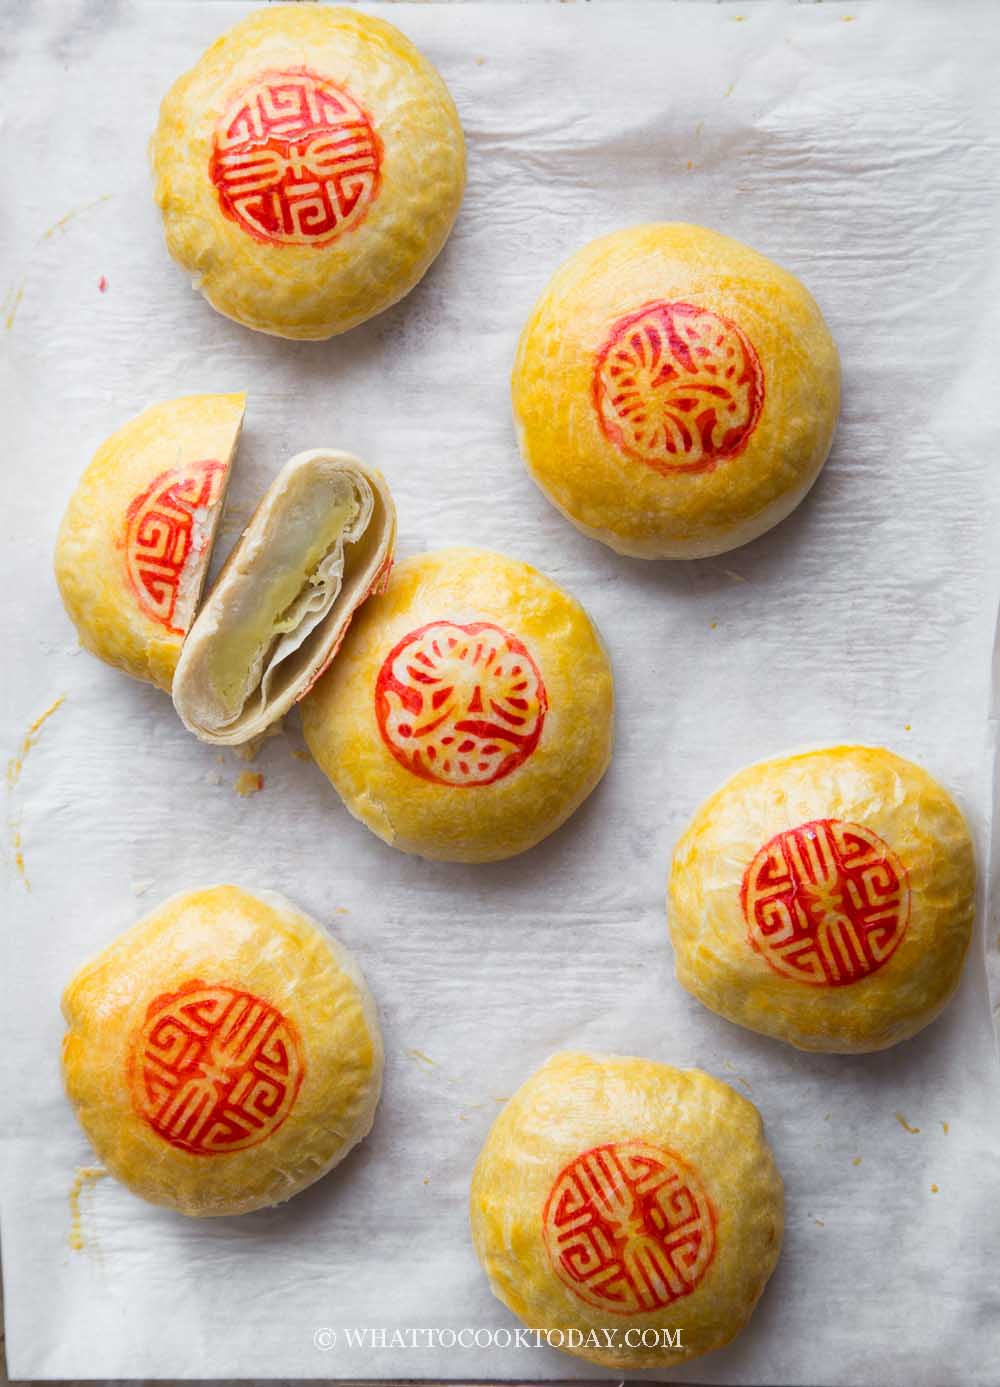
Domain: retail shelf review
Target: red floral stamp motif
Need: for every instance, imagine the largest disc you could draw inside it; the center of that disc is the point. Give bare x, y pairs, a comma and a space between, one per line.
164, 539
826, 903
295, 159
460, 705
214, 1069
678, 387
629, 1227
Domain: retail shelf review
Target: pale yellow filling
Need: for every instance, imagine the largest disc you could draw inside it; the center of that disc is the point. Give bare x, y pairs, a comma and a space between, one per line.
274, 596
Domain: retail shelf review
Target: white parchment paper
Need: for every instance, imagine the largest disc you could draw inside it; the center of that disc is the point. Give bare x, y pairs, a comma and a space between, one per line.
855, 143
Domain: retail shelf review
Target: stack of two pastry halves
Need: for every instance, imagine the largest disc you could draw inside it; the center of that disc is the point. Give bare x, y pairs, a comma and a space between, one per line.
675, 395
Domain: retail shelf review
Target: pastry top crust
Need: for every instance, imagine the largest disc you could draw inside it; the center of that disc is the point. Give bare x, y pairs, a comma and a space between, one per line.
153, 492
531, 701
716, 489
558, 1239
826, 899
377, 221
223, 1053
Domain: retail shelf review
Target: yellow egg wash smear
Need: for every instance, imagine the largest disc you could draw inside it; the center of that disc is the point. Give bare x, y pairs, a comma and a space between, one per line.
86, 1177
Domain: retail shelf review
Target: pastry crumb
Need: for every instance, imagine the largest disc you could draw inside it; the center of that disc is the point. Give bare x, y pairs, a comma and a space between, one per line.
301, 755
249, 783
944, 1128
421, 1058
856, 1161
904, 1124
934, 1189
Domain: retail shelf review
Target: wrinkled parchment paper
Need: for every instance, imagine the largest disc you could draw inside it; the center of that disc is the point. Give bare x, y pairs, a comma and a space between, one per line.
857, 144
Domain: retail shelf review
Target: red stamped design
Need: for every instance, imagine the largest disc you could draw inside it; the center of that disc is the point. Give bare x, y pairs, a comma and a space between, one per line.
826, 903
164, 539
295, 159
678, 387
215, 1069
629, 1227
460, 705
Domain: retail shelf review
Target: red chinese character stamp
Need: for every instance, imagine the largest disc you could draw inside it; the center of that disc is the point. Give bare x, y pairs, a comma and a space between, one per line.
295, 160
678, 387
165, 537
214, 1069
460, 705
826, 903
629, 1227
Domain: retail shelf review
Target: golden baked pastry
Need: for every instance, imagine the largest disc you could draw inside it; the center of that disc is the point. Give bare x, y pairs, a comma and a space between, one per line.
319, 543
675, 393
632, 1210
470, 709
223, 1053
826, 899
309, 168
135, 542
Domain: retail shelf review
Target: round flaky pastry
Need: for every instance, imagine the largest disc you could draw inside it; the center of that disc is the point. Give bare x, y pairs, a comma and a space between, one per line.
826, 899
469, 711
136, 540
223, 1053
675, 393
632, 1210
309, 168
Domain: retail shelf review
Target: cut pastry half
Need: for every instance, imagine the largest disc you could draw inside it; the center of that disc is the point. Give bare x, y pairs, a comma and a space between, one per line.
320, 542
135, 543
